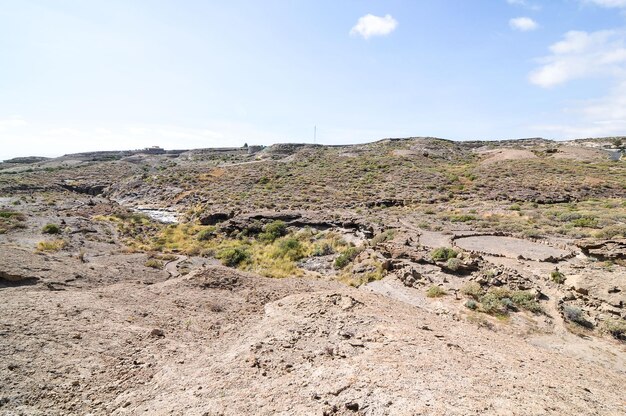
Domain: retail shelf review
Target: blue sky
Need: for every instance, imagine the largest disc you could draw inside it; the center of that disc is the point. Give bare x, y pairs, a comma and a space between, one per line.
117, 74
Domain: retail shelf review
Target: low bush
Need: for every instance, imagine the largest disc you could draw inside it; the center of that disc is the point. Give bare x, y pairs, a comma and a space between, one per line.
557, 277
473, 290
617, 328
51, 229
382, 237
205, 235
323, 249
346, 257
289, 248
273, 231
501, 300
526, 300
491, 304
443, 254
454, 264
12, 214
51, 245
435, 292
154, 263
234, 256
585, 222
574, 314
471, 304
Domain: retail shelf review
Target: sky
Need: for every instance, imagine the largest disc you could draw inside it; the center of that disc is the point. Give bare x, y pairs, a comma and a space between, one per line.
79, 75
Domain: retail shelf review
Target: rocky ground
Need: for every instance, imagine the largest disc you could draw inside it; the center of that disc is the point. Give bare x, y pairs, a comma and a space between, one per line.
114, 298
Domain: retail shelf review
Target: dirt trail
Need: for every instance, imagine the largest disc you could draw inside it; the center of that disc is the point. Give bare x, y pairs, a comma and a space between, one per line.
172, 266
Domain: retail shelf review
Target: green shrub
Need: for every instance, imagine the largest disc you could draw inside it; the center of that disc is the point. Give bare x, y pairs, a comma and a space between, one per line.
346, 257
463, 218
289, 248
234, 256
454, 264
51, 229
205, 235
612, 231
585, 222
382, 237
526, 300
616, 328
574, 314
473, 290
323, 249
557, 277
471, 304
443, 254
273, 231
435, 292
492, 304
53, 245
12, 214
154, 263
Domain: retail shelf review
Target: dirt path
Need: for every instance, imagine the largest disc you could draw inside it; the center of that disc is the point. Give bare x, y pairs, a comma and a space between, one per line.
172, 266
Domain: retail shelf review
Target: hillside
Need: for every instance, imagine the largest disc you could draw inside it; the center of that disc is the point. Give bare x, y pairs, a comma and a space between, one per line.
404, 276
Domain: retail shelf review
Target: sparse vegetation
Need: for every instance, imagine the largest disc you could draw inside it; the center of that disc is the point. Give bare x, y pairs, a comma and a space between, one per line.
574, 314
471, 304
51, 229
154, 264
617, 328
51, 245
346, 257
436, 292
499, 301
557, 277
443, 254
234, 256
273, 230
473, 290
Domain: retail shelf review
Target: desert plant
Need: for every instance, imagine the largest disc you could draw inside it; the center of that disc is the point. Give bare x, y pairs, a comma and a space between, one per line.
205, 235
454, 264
443, 254
273, 230
473, 290
51, 229
526, 300
471, 304
435, 292
557, 277
346, 257
382, 237
289, 248
617, 328
323, 249
51, 245
491, 304
12, 214
574, 314
234, 256
154, 263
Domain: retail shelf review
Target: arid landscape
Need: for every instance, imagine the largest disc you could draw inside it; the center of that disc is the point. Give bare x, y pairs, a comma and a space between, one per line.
400, 277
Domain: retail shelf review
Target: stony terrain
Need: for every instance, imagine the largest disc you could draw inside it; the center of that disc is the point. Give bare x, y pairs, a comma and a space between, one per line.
408, 276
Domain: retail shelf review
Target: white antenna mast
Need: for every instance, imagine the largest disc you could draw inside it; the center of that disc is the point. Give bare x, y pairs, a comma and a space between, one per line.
314, 134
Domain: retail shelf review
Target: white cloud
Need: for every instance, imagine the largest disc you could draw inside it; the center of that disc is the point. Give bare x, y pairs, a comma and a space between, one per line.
607, 3
581, 55
524, 3
523, 24
370, 25
10, 123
